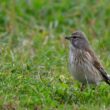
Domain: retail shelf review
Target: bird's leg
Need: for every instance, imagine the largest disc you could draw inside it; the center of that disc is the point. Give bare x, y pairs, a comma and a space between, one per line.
82, 86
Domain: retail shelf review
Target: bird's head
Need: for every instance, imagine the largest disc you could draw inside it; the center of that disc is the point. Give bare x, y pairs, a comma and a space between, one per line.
78, 40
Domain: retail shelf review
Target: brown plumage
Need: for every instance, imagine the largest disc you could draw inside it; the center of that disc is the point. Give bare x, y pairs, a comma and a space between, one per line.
99, 67
84, 65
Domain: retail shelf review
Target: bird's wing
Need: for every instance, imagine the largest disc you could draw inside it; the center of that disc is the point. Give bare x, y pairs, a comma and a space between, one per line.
98, 66
101, 71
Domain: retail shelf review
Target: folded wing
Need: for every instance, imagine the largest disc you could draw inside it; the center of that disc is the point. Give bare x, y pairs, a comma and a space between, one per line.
98, 66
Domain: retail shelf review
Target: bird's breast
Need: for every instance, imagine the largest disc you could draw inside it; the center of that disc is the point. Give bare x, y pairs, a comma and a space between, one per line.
81, 66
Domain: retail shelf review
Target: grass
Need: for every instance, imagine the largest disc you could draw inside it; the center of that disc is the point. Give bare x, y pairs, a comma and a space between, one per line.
34, 55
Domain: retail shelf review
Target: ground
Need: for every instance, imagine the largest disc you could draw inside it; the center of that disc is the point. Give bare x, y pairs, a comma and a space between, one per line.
34, 54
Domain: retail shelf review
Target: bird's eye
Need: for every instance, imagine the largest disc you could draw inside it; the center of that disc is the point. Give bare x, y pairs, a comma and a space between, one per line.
74, 37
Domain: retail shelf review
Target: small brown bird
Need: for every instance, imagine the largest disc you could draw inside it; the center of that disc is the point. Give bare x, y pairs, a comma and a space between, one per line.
84, 65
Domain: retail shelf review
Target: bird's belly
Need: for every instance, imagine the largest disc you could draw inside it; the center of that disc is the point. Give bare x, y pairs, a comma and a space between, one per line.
85, 72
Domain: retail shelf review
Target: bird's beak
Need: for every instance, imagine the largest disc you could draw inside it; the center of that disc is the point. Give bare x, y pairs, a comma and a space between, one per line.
67, 38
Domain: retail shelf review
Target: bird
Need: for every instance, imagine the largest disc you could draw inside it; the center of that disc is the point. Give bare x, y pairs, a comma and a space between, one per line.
84, 65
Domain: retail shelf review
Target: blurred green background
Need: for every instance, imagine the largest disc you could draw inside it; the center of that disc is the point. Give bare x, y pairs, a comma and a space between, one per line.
34, 54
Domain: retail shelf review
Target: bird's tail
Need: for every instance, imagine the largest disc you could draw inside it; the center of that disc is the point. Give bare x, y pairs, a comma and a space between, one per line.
109, 77
105, 76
